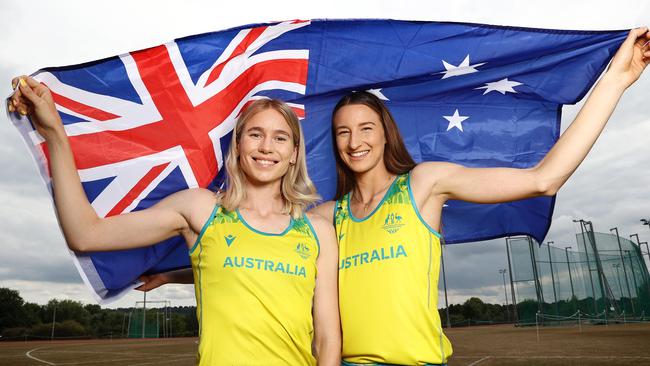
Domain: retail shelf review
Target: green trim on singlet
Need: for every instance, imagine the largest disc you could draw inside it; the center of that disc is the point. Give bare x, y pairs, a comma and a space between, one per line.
415, 208
311, 227
386, 195
205, 226
243, 220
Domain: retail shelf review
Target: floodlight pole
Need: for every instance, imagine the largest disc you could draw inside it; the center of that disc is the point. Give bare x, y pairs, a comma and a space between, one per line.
144, 313
639, 243
53, 321
573, 295
599, 267
636, 286
550, 261
647, 249
128, 325
591, 278
648, 253
515, 311
538, 285
505, 292
627, 283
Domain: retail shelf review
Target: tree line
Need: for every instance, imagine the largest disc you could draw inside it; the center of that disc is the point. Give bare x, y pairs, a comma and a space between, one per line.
24, 320
476, 312
73, 319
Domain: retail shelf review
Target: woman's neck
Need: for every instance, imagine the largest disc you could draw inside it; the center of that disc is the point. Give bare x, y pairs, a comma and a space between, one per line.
371, 183
265, 199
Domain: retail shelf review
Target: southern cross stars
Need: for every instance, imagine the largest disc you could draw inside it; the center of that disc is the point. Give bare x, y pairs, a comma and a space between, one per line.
462, 69
377, 93
502, 86
455, 120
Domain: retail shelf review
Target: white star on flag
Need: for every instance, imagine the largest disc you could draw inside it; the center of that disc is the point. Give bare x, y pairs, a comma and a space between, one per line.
502, 86
462, 69
455, 121
377, 93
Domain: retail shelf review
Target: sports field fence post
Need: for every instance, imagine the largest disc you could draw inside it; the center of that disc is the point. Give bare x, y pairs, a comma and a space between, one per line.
537, 325
579, 321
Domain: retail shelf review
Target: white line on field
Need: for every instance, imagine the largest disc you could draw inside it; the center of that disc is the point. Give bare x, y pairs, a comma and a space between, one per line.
479, 361
123, 360
29, 354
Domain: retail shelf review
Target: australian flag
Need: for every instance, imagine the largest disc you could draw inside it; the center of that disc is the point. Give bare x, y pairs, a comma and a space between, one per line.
152, 122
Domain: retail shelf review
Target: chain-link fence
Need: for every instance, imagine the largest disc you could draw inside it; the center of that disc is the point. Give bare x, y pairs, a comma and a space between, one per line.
601, 277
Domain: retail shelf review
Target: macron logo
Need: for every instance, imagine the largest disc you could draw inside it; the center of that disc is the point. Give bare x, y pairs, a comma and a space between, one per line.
229, 239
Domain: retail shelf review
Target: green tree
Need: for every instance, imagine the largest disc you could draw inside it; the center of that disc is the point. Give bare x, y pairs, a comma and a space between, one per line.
12, 313
32, 314
474, 308
66, 310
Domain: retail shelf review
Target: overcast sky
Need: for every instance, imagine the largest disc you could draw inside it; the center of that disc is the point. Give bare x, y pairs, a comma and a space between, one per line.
611, 188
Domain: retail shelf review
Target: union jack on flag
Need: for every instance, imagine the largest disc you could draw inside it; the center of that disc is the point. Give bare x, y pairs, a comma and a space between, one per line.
152, 122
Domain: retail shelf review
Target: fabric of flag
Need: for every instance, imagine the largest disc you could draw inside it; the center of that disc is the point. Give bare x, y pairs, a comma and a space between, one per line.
149, 123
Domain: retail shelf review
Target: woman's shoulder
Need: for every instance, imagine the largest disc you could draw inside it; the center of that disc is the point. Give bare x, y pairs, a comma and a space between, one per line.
194, 196
323, 227
192, 202
324, 211
430, 172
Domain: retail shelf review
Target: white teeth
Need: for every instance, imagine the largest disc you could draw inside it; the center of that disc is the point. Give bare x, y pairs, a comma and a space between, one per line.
358, 154
265, 162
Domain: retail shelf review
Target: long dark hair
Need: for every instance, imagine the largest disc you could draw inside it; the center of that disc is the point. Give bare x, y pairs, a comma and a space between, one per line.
396, 158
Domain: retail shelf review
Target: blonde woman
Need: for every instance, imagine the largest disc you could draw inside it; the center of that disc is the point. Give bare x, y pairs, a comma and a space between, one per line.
261, 267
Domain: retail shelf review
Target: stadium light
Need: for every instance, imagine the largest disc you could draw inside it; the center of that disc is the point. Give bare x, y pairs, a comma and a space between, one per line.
566, 251
645, 222
505, 292
53, 321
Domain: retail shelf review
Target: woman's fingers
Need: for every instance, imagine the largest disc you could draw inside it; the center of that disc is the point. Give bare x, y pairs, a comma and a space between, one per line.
24, 98
25, 87
636, 34
14, 83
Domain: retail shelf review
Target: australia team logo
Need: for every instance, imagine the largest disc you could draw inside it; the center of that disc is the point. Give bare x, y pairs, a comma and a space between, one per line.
303, 250
392, 223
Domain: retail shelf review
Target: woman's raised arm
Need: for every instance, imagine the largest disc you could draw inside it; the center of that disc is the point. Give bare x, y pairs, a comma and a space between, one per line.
83, 229
491, 185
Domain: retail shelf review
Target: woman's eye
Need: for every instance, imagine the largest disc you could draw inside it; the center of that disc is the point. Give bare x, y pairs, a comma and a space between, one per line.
342, 133
255, 135
366, 129
281, 138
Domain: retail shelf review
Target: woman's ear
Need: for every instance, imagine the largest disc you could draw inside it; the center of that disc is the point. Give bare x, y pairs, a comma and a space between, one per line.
294, 156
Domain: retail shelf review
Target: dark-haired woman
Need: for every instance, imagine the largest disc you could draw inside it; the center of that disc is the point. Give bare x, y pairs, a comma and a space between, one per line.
387, 215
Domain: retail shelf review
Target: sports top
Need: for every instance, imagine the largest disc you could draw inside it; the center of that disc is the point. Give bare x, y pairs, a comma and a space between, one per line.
254, 292
389, 263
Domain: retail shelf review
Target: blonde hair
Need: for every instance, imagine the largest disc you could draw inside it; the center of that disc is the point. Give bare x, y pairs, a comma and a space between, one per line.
297, 190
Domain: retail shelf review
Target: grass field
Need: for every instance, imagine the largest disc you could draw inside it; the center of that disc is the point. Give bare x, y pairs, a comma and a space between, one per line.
485, 346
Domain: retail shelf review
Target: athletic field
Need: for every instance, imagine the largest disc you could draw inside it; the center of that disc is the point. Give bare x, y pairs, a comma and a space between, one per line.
486, 345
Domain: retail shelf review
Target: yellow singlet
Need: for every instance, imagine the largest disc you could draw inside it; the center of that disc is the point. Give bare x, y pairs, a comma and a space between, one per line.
254, 292
388, 283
